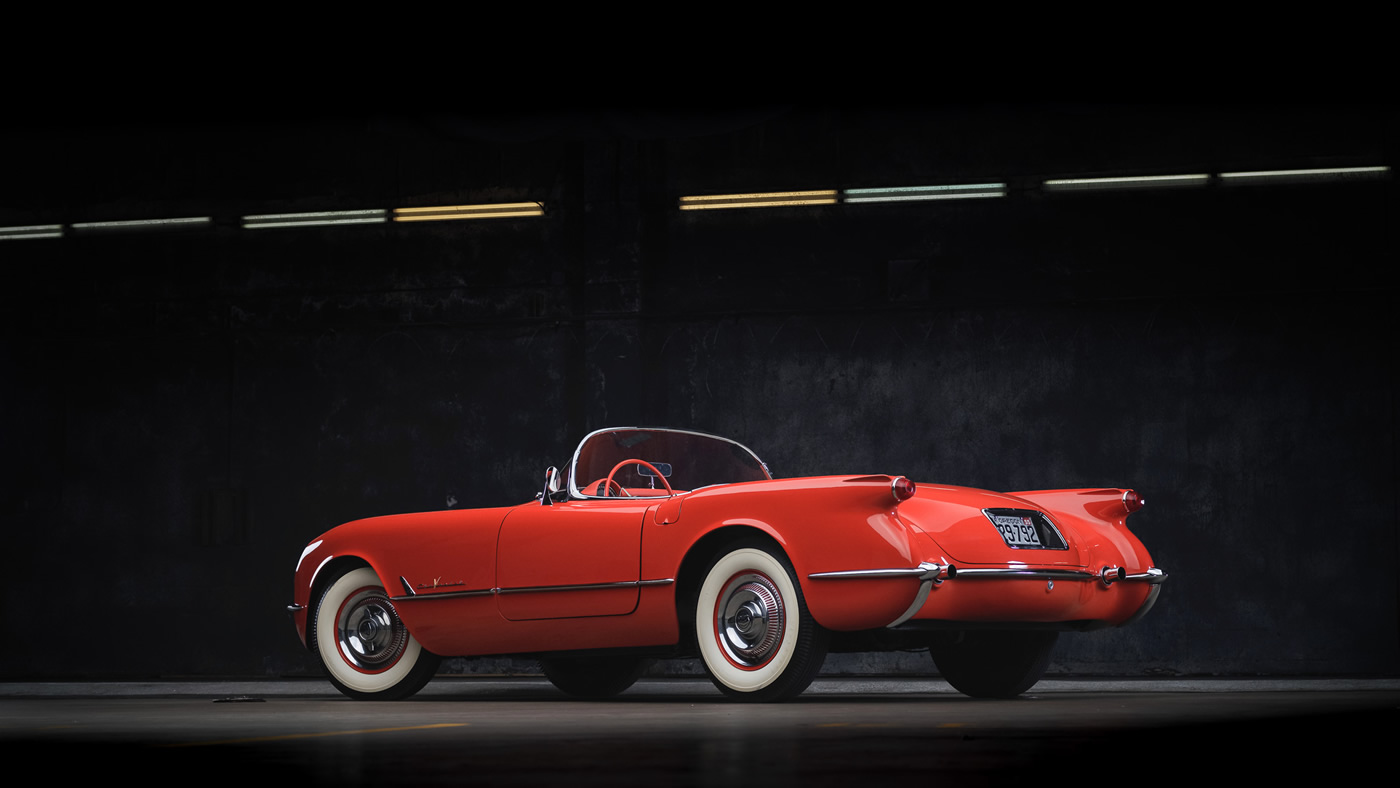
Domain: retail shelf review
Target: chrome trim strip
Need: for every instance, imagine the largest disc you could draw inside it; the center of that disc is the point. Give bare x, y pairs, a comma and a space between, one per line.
1029, 574
916, 571
585, 586
928, 573
407, 588
933, 574
443, 595
534, 589
1153, 576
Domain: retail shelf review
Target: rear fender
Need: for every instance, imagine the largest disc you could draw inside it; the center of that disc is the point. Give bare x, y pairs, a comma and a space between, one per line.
822, 524
1100, 520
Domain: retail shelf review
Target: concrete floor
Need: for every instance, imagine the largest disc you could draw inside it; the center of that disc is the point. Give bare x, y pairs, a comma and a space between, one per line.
487, 731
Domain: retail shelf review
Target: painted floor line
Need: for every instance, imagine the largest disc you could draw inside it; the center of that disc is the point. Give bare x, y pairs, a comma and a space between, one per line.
290, 736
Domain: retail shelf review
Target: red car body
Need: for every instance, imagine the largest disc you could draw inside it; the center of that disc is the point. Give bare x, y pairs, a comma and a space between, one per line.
758, 576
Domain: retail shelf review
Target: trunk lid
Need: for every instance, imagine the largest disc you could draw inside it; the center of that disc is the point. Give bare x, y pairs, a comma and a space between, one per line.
983, 527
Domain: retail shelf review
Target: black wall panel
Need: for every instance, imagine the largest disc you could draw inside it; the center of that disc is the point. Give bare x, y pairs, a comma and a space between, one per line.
183, 411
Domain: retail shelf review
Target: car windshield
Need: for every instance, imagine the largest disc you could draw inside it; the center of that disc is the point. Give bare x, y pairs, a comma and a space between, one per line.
687, 460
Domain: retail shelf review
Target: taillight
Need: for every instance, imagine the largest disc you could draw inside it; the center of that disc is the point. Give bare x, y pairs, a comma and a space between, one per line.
1132, 501
903, 489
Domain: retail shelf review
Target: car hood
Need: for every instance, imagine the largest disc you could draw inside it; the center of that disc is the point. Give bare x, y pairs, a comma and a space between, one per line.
953, 518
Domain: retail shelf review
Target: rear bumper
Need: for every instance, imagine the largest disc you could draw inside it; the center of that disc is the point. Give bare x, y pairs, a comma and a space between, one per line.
1111, 596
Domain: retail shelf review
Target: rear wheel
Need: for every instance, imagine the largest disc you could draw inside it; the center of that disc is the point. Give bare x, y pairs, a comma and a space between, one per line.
367, 651
593, 677
755, 635
992, 664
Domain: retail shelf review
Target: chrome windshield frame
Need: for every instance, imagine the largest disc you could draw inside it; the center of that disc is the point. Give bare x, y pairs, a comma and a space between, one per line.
575, 493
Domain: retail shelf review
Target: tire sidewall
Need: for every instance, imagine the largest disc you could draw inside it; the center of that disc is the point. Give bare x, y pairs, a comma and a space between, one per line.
342, 673
746, 560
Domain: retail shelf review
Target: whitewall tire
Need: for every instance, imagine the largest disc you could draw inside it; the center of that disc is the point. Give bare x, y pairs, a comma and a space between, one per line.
756, 638
367, 651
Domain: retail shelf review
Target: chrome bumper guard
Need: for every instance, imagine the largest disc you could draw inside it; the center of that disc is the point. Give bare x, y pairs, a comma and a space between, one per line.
931, 574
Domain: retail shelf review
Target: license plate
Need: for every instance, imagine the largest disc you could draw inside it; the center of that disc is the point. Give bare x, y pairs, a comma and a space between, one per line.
1018, 531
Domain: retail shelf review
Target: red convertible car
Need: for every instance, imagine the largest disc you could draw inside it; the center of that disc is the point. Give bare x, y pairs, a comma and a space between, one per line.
669, 543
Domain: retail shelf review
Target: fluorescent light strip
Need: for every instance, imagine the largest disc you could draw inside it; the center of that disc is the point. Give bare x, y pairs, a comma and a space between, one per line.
965, 191
145, 224
758, 200
485, 211
1298, 176
318, 218
1131, 182
31, 231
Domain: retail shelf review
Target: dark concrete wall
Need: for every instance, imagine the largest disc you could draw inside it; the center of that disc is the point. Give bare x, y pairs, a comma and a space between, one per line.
183, 411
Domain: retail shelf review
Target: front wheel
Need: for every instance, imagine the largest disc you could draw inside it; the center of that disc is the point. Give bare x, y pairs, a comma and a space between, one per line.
593, 677
367, 651
993, 664
756, 637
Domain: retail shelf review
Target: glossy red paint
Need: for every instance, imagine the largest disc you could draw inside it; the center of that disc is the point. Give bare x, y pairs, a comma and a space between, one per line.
609, 564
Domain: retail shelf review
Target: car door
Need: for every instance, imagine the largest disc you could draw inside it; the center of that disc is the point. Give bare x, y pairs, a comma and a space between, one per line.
572, 559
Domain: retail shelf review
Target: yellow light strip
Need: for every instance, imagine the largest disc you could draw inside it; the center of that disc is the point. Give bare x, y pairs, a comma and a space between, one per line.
758, 200
439, 213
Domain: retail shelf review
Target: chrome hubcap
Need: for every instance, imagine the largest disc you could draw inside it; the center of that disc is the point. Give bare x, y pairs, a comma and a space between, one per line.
369, 632
749, 620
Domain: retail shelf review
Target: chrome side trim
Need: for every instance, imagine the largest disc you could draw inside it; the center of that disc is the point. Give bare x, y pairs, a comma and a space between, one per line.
929, 575
914, 571
933, 574
1029, 574
534, 589
586, 586
444, 595
1153, 576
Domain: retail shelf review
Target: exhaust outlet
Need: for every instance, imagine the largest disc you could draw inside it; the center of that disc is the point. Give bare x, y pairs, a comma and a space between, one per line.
1112, 574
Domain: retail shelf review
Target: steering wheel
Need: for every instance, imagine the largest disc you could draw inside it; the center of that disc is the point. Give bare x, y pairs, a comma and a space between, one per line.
609, 482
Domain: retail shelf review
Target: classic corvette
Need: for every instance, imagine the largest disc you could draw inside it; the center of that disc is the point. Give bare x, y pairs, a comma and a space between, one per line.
659, 543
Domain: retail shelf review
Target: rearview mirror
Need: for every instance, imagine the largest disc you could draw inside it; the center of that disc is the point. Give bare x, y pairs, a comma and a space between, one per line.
664, 467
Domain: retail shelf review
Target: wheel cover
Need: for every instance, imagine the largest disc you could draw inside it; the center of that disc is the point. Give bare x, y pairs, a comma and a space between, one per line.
749, 620
369, 635
744, 661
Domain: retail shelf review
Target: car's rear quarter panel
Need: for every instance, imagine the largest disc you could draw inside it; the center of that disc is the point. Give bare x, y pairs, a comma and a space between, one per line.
822, 524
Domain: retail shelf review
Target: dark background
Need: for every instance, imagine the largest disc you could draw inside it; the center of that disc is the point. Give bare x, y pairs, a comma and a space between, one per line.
182, 411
